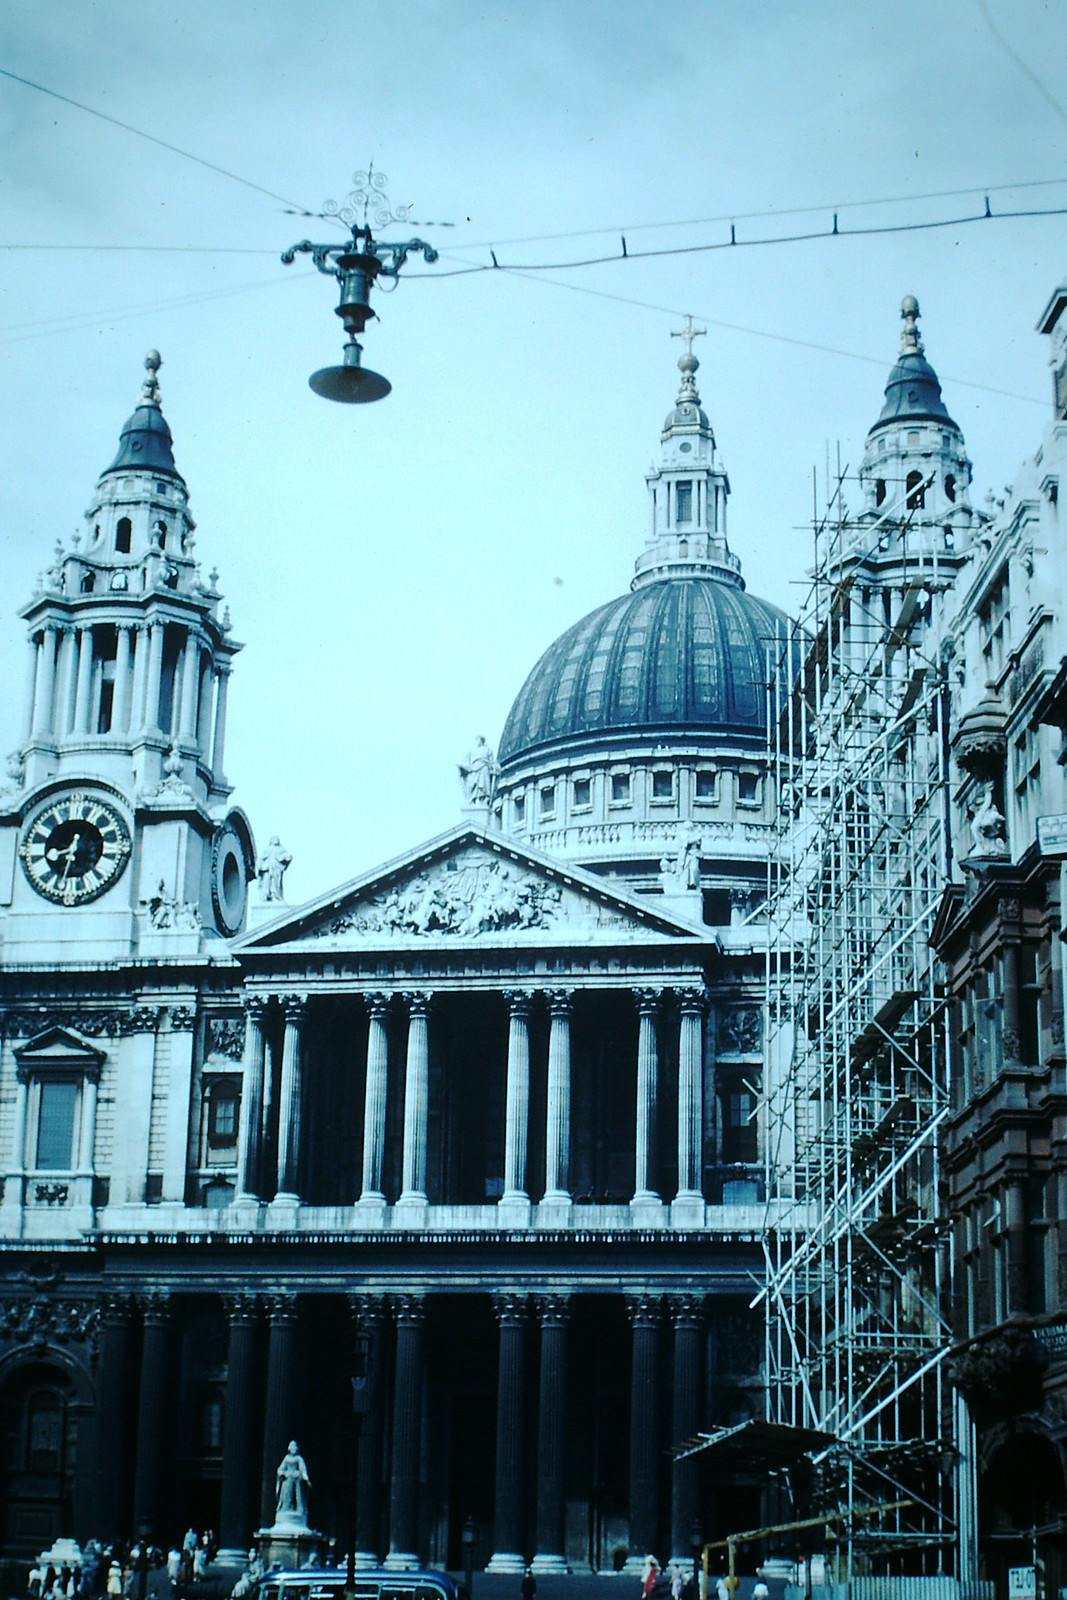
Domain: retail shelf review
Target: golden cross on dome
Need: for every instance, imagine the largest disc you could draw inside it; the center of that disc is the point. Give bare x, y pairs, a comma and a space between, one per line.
688, 333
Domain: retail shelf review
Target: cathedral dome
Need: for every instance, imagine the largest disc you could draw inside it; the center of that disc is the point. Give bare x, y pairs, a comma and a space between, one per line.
682, 653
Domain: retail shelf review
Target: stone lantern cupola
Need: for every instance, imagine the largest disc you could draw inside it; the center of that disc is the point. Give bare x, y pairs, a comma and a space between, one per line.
915, 474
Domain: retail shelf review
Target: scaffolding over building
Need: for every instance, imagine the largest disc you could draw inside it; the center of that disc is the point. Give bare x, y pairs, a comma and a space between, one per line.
856, 1065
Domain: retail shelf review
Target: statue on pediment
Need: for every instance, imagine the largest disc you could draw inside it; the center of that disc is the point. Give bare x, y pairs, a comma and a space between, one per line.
479, 774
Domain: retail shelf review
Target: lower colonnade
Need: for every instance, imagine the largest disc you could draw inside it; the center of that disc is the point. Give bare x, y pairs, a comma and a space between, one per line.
544, 1416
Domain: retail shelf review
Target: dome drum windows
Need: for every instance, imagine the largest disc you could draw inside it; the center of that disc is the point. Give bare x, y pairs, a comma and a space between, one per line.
661, 786
748, 788
706, 786
546, 801
621, 788
582, 794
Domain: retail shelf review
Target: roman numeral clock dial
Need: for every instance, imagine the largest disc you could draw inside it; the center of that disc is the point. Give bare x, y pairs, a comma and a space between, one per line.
75, 848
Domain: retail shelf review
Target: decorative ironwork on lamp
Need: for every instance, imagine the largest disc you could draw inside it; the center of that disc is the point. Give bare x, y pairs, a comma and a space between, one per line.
357, 264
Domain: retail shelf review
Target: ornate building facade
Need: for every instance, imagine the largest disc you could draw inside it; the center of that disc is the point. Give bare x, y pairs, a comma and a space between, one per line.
493, 1104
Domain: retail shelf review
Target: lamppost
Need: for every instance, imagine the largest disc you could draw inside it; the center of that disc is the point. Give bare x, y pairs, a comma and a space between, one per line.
467, 1540
362, 1400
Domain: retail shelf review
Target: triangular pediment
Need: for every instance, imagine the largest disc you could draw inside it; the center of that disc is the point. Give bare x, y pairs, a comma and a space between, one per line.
58, 1051
468, 886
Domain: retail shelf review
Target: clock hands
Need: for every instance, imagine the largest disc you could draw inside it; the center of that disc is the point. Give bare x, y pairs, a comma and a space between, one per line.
56, 855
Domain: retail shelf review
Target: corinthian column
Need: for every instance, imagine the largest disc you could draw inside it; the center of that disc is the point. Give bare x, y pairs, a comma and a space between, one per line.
407, 1430
688, 1207
645, 1316
249, 1148
511, 1316
647, 1074
374, 1100
517, 1121
558, 1130
416, 1101
294, 1007
554, 1312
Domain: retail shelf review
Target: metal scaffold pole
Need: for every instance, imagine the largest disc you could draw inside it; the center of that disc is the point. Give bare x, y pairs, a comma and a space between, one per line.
857, 1048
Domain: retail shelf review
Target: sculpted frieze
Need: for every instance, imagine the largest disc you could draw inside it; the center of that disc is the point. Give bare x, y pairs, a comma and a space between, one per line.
482, 895
43, 1320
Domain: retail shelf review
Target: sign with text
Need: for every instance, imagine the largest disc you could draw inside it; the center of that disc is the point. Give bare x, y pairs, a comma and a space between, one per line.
1022, 1583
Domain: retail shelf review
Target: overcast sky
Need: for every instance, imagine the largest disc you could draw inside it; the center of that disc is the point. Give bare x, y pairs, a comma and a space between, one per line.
395, 570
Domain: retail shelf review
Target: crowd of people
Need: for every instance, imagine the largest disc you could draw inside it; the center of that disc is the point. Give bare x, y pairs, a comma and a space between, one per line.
120, 1571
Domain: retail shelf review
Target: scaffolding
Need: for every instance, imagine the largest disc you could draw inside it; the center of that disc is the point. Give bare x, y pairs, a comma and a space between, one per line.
856, 1065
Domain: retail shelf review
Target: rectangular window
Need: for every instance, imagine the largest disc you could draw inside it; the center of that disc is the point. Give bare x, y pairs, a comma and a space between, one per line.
705, 785
620, 787
663, 785
583, 792
55, 1127
548, 800
747, 788
222, 1118
683, 502
520, 810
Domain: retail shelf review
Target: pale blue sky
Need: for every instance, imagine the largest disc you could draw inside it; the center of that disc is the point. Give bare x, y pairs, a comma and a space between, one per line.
396, 570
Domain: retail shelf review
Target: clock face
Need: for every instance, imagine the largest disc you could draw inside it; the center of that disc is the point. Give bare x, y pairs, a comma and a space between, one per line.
75, 848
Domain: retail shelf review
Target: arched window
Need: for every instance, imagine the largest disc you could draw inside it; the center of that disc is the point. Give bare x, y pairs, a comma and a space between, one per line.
89, 583
916, 493
159, 531
950, 486
879, 491
123, 533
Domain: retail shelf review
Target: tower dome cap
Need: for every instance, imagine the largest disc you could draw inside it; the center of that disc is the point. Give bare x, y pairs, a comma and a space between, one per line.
145, 443
913, 392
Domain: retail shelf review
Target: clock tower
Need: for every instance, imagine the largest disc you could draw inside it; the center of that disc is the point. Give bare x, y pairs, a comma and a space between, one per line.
116, 838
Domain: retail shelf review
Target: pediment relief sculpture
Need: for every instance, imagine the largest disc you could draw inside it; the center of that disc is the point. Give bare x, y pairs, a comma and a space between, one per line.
476, 895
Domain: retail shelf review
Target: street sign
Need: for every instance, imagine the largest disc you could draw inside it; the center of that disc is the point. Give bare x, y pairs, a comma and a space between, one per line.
1022, 1583
1052, 841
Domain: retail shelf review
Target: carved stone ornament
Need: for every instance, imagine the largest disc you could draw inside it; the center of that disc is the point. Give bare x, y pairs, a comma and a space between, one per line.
24, 1024
225, 1037
739, 1032
44, 1320
1001, 1372
166, 912
478, 894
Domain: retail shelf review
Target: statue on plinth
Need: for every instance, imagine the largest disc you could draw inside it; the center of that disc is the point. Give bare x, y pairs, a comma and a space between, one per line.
292, 1483
271, 869
479, 774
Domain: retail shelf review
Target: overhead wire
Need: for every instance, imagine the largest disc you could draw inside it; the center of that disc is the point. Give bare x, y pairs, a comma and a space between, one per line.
164, 144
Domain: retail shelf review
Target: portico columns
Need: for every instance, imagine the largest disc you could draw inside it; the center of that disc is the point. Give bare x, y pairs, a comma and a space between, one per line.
510, 1455
518, 1102
368, 1315
558, 1130
294, 1006
687, 1313
154, 1394
407, 1429
113, 1464
374, 1100
416, 1101
280, 1406
688, 1206
238, 1512
553, 1312
44, 687
647, 1084
645, 1314
248, 1144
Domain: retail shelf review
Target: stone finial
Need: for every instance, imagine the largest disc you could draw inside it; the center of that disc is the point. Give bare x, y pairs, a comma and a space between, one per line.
150, 388
910, 341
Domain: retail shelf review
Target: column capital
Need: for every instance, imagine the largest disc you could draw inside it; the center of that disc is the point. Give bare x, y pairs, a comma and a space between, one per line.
182, 1018
692, 999
155, 1307
116, 1310
519, 1001
417, 1001
647, 1001
294, 1006
281, 1307
240, 1307
560, 1001
408, 1309
256, 1006
686, 1310
553, 1310
378, 1004
366, 1310
510, 1308
644, 1310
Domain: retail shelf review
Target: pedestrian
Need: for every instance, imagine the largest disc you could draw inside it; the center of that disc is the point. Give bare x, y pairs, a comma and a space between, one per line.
722, 1588
650, 1576
677, 1581
528, 1586
760, 1591
114, 1579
